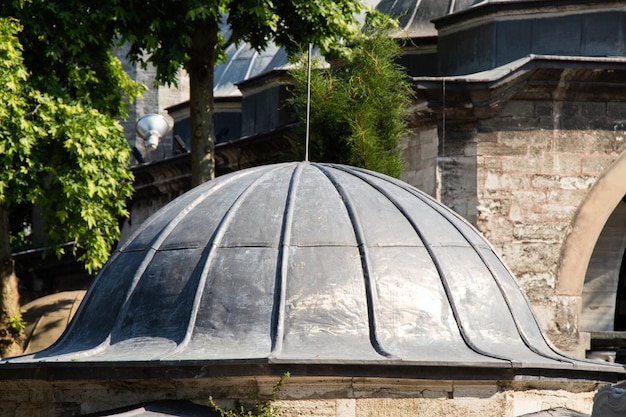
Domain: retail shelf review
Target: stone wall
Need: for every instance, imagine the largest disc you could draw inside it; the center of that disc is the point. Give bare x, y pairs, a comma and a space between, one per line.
531, 182
420, 154
303, 396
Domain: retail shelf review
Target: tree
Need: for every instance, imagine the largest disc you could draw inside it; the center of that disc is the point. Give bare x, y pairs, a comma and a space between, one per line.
64, 154
359, 109
189, 34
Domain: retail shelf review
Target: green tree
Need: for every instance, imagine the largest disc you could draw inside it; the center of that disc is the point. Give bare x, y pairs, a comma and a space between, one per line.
261, 408
189, 34
67, 155
68, 52
359, 109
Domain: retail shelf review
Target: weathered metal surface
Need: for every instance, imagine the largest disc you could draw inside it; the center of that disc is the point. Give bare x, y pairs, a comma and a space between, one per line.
321, 266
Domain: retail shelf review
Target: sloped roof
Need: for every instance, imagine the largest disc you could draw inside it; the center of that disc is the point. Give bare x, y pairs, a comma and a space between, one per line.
415, 16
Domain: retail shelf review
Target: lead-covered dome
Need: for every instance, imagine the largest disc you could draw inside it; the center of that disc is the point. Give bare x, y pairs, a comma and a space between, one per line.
308, 264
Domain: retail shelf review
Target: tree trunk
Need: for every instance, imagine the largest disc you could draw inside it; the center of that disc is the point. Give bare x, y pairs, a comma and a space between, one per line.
202, 62
10, 336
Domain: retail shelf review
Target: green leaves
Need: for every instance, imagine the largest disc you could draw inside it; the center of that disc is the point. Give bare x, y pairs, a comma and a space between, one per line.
359, 110
329, 24
262, 408
64, 155
68, 51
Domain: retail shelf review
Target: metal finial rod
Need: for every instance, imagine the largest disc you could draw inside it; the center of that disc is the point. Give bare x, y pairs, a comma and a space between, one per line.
308, 104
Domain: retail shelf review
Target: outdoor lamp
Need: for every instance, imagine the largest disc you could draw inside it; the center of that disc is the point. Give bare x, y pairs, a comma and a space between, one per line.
151, 128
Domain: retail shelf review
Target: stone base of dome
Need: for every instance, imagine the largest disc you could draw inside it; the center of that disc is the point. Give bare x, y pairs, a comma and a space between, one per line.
304, 396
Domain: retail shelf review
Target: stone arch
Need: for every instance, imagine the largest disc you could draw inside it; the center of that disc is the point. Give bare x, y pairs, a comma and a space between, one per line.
592, 215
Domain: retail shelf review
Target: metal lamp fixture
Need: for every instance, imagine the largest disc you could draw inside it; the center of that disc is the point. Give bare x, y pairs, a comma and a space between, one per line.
151, 128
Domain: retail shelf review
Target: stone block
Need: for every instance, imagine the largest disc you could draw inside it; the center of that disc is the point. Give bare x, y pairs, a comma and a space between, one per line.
565, 197
542, 284
521, 164
488, 136
593, 165
531, 257
345, 408
581, 182
617, 112
495, 405
502, 149
562, 164
518, 108
400, 388
543, 109
610, 141
502, 231
486, 390
39, 395
566, 314
314, 408
470, 150
496, 180
528, 197
532, 401
557, 211
576, 141
513, 138
7, 406
489, 163
545, 181
14, 391
548, 231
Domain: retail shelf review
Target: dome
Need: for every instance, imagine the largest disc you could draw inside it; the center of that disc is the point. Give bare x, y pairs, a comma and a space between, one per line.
324, 266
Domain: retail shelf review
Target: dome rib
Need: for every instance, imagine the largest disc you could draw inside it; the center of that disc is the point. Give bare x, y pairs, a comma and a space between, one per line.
370, 289
154, 247
277, 330
209, 254
514, 316
440, 270
449, 215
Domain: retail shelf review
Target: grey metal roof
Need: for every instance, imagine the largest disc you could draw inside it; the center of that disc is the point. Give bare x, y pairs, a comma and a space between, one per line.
244, 62
415, 16
326, 267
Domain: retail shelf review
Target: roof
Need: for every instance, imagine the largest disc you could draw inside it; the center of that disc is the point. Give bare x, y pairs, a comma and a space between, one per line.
283, 267
415, 16
244, 62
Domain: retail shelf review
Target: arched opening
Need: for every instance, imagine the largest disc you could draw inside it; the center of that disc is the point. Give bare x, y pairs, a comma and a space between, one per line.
604, 292
592, 257
620, 299
599, 301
